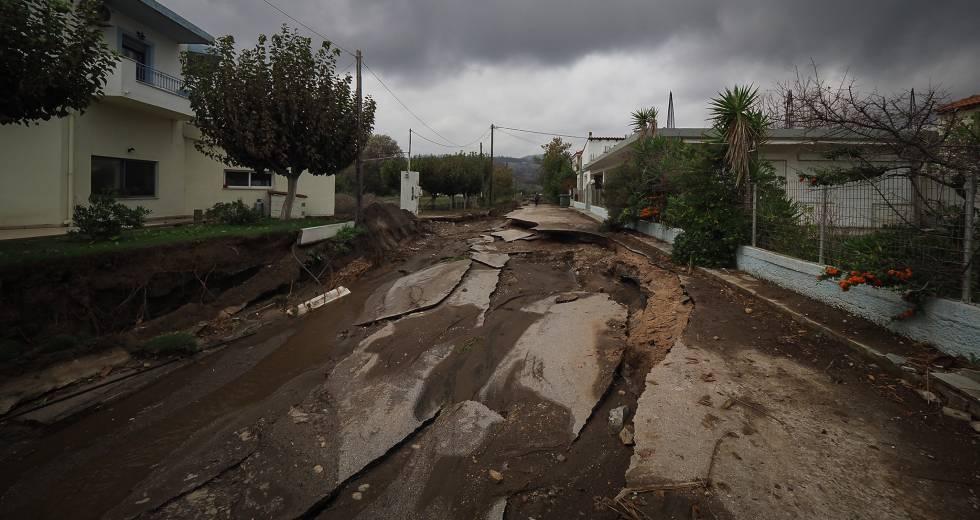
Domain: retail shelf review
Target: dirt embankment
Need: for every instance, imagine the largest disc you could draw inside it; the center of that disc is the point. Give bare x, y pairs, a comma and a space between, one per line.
162, 289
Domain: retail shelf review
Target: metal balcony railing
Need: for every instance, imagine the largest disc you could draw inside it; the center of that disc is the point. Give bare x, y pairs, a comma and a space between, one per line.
160, 80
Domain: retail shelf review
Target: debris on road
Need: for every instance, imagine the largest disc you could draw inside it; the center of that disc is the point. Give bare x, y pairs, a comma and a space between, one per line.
626, 436
417, 291
617, 417
495, 260
321, 300
510, 235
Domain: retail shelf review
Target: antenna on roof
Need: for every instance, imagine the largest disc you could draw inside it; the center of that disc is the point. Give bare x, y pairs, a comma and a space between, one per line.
788, 123
670, 110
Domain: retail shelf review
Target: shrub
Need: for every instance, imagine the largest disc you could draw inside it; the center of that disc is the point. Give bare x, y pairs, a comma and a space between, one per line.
707, 207
104, 218
175, 343
233, 213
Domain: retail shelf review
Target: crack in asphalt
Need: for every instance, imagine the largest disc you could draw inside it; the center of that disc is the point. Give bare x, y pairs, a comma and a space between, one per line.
324, 503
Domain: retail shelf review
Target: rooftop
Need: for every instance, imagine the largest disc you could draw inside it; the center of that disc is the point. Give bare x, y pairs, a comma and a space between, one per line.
776, 136
156, 15
961, 104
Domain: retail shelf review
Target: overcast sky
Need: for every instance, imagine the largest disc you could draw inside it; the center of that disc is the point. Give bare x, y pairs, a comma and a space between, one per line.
576, 66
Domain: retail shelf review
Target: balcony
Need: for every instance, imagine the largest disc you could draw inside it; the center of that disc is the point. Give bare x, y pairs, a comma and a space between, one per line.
139, 86
160, 80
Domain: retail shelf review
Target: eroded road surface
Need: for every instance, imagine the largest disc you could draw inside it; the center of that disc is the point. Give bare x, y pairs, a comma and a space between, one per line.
500, 371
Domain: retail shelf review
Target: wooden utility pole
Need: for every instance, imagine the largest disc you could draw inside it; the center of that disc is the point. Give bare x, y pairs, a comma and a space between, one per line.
490, 187
358, 139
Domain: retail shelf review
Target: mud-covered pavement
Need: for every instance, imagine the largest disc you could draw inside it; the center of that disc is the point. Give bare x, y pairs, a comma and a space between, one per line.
484, 374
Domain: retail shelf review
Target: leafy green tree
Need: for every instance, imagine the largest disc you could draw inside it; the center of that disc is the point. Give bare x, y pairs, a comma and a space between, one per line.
53, 58
555, 169
378, 149
279, 107
503, 181
390, 173
741, 125
432, 176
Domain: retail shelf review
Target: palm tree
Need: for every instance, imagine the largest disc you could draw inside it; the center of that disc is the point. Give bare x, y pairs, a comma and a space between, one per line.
741, 126
645, 121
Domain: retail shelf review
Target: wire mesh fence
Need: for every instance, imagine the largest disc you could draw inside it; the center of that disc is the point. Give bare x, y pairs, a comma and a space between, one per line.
891, 222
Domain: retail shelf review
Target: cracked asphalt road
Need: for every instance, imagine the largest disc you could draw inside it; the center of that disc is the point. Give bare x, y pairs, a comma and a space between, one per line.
489, 398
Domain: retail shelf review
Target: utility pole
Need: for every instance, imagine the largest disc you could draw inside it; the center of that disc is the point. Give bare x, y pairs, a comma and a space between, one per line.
409, 149
490, 188
359, 137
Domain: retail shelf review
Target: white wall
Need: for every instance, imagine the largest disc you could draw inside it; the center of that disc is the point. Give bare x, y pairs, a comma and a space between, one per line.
111, 131
950, 326
33, 168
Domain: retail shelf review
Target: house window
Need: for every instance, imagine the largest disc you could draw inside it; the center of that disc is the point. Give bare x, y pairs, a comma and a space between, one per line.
247, 179
123, 177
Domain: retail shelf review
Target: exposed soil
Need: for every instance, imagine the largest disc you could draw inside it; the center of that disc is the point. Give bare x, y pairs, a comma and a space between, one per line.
147, 292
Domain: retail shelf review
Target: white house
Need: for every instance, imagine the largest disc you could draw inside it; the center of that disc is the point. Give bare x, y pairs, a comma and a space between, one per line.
582, 160
792, 152
135, 141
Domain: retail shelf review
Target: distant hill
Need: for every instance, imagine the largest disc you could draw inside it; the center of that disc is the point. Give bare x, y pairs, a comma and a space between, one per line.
525, 169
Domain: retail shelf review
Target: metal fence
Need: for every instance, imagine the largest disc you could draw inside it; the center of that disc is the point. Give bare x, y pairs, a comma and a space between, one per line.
924, 223
160, 80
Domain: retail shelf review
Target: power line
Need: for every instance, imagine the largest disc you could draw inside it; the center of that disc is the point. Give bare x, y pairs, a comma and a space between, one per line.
409, 110
308, 28
518, 137
543, 133
471, 143
413, 132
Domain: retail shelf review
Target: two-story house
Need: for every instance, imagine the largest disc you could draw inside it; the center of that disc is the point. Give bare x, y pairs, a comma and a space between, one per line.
136, 141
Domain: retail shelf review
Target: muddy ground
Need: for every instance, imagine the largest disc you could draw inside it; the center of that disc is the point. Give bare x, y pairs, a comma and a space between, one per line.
495, 403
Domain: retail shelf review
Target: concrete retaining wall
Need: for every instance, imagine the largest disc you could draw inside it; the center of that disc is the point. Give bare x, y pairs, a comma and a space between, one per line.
594, 211
951, 326
319, 233
658, 231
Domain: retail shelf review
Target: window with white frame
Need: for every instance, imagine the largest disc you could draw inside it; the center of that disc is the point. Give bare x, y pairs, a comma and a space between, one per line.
123, 178
247, 179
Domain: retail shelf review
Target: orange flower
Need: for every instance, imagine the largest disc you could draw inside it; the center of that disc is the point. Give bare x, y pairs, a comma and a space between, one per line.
832, 271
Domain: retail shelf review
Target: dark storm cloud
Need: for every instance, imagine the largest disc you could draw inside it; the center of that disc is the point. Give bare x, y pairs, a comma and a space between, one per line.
418, 38
579, 66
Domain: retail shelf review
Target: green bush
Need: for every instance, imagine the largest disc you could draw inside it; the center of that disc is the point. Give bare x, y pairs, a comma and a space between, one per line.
104, 218
233, 213
708, 208
175, 343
